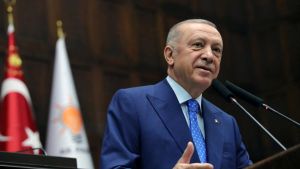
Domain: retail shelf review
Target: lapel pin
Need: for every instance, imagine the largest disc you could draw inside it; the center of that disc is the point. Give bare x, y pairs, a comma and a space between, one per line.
217, 121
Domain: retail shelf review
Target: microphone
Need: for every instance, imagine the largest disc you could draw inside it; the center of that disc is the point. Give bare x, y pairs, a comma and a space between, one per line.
229, 96
256, 101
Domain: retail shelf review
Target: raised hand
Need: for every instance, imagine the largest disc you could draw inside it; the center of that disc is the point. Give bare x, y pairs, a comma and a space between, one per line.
184, 161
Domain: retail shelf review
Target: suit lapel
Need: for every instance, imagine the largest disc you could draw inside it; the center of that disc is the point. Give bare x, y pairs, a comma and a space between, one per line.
169, 110
213, 134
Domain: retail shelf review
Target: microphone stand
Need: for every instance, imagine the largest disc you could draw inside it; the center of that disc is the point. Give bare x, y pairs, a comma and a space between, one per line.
229, 96
258, 123
256, 101
267, 107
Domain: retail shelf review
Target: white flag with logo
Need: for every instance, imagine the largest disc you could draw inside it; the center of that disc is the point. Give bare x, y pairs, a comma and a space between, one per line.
66, 135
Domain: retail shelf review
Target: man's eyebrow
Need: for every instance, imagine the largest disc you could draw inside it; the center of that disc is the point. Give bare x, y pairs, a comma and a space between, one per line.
217, 42
198, 38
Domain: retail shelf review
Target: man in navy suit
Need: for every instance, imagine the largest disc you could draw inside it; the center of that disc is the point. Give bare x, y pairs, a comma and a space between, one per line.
148, 127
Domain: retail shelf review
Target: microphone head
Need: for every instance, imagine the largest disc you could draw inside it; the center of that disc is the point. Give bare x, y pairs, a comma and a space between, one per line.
256, 101
222, 90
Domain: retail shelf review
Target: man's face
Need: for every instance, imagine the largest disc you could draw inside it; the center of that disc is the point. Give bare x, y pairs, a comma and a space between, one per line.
195, 58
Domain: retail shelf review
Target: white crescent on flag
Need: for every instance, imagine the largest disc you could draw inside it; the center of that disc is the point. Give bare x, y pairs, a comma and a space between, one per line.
15, 85
3, 138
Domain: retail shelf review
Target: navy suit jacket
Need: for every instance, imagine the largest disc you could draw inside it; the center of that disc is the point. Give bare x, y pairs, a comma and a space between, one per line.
146, 129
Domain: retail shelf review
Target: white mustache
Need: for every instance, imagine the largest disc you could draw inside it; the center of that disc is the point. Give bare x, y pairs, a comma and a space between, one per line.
204, 65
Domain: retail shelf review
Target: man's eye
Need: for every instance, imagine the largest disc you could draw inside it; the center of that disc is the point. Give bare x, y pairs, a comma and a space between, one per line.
217, 50
198, 45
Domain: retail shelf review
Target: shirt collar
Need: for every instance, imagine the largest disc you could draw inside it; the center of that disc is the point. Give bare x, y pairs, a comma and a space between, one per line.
181, 94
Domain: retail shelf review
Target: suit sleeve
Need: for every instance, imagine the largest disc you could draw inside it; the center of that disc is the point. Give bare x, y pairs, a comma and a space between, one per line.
120, 146
242, 156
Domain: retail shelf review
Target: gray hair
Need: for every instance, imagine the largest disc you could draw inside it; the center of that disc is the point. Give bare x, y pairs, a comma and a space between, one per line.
174, 32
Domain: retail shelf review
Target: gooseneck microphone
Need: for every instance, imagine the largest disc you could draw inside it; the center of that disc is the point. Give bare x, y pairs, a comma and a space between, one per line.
256, 101
229, 96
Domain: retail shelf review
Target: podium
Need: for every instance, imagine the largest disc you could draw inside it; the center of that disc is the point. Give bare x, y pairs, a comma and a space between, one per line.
16, 160
289, 159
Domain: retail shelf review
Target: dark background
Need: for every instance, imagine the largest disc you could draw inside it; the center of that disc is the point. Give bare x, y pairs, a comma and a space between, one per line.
114, 44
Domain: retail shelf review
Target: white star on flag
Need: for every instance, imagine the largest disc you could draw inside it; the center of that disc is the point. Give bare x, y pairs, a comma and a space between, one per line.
3, 138
33, 140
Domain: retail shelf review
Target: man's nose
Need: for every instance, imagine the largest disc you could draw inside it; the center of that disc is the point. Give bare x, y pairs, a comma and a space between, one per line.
207, 55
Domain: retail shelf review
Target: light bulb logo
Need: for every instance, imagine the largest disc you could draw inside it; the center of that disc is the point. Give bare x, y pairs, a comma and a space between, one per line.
72, 119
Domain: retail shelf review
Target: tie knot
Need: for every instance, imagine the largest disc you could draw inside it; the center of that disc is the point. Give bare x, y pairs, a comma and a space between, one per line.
193, 105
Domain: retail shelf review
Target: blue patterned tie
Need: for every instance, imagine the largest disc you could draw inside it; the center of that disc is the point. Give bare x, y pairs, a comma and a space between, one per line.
193, 109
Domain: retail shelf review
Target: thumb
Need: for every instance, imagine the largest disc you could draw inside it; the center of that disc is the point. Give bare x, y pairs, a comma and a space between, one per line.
187, 154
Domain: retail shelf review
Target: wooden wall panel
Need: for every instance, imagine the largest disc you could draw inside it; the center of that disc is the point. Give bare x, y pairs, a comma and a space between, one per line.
290, 43
30, 21
85, 91
30, 29
206, 9
3, 23
38, 78
270, 59
115, 44
73, 17
96, 28
112, 81
235, 55
149, 4
113, 34
177, 3
149, 53
263, 14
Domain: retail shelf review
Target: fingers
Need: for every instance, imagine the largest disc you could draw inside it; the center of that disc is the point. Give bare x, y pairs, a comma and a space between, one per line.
201, 166
187, 154
194, 166
184, 161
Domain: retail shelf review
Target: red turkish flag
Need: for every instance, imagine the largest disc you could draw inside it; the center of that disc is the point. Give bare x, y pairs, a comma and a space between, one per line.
18, 131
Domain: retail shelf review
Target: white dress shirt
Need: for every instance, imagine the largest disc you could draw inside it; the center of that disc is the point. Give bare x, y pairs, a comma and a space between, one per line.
183, 96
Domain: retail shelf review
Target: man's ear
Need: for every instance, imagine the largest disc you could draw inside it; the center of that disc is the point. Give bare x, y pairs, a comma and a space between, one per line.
169, 55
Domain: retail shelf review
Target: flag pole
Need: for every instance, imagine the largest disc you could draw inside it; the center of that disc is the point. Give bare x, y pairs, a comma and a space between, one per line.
14, 61
9, 9
60, 32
